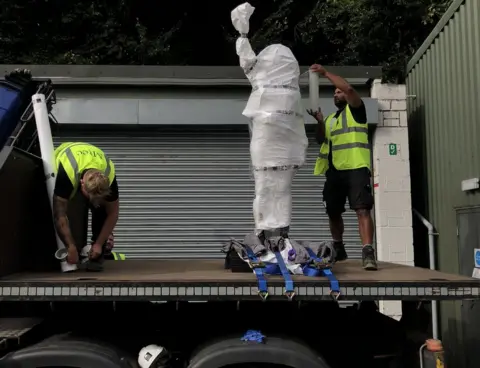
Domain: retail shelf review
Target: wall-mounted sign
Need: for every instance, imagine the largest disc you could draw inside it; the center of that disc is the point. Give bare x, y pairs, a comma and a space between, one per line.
392, 149
477, 257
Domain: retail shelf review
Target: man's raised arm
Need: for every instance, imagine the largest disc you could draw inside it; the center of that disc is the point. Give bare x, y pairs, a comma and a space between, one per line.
352, 97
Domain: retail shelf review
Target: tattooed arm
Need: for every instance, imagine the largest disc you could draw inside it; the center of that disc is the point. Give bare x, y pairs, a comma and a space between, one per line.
61, 221
61, 194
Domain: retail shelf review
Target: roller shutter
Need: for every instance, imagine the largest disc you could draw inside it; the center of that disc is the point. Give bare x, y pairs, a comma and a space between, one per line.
186, 190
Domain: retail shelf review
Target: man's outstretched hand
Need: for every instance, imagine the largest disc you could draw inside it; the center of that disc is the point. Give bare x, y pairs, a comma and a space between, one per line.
317, 68
317, 115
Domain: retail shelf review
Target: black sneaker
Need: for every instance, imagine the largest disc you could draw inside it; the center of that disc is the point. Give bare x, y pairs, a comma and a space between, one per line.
368, 258
341, 253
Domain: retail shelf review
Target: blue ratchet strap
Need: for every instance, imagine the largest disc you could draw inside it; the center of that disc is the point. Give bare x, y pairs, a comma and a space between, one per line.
289, 289
272, 269
326, 271
262, 283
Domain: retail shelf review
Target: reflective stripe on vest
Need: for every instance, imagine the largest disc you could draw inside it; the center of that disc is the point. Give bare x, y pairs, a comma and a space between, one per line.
71, 158
65, 154
118, 256
345, 155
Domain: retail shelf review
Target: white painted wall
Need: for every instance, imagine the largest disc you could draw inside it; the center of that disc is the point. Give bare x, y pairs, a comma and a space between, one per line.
173, 109
393, 208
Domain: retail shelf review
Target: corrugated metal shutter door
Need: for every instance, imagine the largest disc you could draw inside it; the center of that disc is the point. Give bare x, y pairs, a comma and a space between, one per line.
185, 191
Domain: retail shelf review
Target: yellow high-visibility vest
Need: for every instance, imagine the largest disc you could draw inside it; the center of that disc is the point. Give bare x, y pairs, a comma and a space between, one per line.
78, 157
350, 146
118, 256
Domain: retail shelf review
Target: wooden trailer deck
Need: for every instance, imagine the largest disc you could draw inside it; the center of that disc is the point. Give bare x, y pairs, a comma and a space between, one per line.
208, 280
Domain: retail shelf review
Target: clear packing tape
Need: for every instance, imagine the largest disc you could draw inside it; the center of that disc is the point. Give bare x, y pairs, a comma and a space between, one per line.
277, 130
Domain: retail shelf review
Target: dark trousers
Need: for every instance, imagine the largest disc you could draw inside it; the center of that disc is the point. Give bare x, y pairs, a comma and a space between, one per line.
99, 215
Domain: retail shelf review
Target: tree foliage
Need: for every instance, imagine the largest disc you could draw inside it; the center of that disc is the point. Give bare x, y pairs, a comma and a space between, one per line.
332, 32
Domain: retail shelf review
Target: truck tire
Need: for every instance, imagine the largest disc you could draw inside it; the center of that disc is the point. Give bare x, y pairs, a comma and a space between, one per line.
279, 351
67, 352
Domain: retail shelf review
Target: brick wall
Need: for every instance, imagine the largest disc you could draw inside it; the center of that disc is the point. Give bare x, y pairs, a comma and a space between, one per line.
391, 172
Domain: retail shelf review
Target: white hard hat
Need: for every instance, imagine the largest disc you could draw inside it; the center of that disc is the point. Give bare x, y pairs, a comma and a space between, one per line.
149, 355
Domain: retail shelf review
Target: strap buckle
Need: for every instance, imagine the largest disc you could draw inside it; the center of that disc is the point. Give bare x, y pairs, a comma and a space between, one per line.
257, 264
322, 264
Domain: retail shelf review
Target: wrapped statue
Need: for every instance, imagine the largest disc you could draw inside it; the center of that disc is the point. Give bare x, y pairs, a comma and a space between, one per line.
278, 141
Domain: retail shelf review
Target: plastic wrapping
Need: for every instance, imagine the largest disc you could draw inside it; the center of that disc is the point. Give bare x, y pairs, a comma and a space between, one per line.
272, 206
274, 106
241, 21
278, 142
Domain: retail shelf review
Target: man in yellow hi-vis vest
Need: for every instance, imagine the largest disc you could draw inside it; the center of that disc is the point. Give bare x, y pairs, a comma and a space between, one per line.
108, 254
85, 168
345, 160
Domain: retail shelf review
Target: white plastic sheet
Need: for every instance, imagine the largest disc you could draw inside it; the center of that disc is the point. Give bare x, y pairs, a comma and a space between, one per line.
272, 206
278, 138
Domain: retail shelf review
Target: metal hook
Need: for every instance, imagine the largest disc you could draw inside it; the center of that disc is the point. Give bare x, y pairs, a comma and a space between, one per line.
290, 295
335, 294
263, 295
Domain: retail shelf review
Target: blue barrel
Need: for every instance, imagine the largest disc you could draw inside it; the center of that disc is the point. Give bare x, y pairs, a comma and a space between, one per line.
10, 102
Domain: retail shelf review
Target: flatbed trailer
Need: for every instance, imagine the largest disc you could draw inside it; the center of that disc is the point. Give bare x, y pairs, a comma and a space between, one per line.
175, 280
136, 307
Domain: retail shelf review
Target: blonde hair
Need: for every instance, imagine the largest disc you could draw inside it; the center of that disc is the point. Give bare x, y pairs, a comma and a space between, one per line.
96, 183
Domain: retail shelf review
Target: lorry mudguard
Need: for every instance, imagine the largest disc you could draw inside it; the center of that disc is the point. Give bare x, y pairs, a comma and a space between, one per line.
284, 352
67, 353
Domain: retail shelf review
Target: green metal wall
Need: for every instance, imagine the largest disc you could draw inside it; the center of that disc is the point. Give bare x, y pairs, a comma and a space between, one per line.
443, 85
446, 83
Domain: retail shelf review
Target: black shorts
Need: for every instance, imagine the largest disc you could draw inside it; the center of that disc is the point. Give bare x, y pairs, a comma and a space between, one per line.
352, 184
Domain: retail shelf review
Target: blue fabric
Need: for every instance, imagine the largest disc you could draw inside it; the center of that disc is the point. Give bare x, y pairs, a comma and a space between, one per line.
253, 336
9, 105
